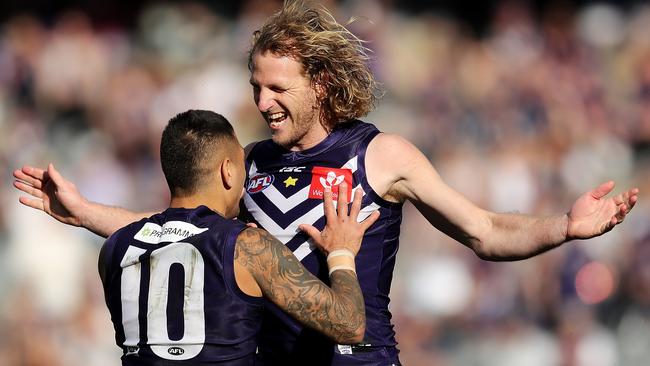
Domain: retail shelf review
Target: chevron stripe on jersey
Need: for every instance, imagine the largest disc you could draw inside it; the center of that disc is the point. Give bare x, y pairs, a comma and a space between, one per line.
285, 233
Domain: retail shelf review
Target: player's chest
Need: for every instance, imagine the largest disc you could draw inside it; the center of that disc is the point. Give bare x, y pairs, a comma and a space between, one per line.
306, 180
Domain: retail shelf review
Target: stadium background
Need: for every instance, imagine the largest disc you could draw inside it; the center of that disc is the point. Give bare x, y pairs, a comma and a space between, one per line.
520, 106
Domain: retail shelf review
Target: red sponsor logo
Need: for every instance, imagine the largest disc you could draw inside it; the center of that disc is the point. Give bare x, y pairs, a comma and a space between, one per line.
258, 182
322, 177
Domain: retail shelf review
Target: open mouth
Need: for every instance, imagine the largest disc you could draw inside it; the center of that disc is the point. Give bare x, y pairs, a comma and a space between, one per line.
277, 119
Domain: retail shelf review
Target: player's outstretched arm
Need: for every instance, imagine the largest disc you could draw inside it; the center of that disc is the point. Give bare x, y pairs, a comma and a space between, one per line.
492, 236
339, 311
519, 236
51, 193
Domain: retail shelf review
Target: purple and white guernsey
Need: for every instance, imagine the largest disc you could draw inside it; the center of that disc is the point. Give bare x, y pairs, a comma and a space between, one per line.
285, 189
170, 287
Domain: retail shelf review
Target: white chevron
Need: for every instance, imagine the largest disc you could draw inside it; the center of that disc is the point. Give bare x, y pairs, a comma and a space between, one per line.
252, 170
307, 247
351, 164
279, 200
366, 211
304, 249
285, 204
284, 235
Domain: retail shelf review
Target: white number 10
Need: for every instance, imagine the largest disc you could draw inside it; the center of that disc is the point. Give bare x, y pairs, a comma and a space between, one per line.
161, 261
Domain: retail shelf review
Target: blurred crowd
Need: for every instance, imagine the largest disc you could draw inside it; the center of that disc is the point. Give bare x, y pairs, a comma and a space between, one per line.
522, 118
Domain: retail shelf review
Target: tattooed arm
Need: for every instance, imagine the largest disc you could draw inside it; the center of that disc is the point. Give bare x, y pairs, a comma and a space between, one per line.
339, 311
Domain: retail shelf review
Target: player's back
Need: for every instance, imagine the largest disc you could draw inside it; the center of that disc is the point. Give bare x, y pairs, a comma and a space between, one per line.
170, 287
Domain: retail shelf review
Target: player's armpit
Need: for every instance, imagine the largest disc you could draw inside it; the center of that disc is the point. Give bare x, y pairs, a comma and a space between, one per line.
337, 312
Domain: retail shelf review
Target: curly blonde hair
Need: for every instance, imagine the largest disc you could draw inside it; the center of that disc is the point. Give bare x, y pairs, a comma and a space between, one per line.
333, 58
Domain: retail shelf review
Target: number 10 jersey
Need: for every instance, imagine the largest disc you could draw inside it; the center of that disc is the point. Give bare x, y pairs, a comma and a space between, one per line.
170, 287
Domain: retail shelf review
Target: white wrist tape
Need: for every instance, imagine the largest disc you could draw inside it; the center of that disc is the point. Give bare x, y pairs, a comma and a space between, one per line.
336, 268
340, 252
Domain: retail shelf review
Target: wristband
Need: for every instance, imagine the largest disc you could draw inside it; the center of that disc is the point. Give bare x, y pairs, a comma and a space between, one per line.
340, 252
340, 257
336, 268
343, 260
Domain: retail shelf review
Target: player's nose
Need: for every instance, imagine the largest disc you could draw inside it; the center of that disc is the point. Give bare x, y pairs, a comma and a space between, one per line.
264, 100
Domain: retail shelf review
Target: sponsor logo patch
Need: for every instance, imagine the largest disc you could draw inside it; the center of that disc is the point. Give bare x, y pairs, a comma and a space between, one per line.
329, 177
259, 182
171, 231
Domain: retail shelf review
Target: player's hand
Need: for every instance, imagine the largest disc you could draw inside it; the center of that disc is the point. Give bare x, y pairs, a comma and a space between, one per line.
594, 214
342, 230
51, 193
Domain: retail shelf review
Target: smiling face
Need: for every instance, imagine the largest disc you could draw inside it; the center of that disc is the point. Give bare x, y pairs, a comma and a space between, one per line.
287, 100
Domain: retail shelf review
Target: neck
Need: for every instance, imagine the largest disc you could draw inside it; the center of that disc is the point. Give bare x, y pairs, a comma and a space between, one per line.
215, 203
305, 144
311, 138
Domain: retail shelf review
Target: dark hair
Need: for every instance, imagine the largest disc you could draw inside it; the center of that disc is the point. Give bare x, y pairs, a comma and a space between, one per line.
331, 55
188, 146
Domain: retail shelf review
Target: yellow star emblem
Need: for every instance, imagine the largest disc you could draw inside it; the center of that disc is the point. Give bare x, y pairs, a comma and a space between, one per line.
290, 182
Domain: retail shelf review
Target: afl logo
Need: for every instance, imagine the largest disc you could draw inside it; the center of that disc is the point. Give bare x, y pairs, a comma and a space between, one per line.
258, 183
175, 351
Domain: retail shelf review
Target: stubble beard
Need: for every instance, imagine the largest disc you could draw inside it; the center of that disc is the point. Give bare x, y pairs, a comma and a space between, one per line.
300, 127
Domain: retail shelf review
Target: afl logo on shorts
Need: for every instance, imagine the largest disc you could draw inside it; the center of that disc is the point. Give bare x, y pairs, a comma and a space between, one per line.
258, 183
175, 351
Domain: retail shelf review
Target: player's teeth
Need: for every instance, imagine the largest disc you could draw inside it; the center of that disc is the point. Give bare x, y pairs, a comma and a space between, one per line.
276, 116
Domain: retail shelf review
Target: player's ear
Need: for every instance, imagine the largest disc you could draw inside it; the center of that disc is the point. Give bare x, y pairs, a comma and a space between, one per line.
227, 173
319, 84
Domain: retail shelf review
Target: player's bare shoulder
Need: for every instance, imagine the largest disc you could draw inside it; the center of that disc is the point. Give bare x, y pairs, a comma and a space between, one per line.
251, 243
259, 251
390, 158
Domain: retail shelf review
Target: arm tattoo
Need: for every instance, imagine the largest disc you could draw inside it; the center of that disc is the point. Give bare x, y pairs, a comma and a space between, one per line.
338, 312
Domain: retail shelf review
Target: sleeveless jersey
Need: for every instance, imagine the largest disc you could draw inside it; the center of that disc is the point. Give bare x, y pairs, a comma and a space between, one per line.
170, 287
285, 189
